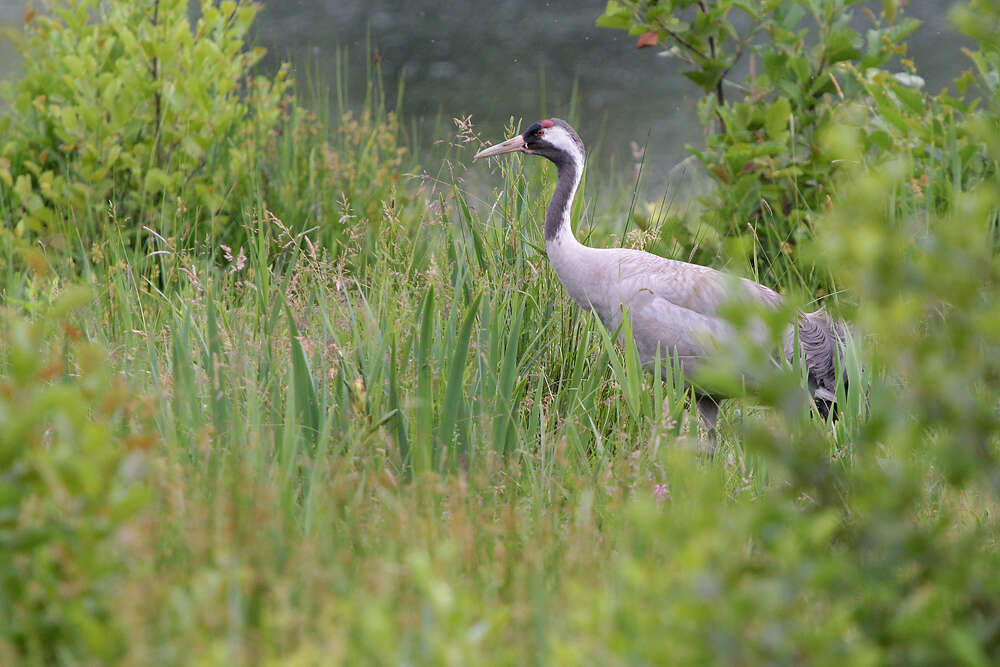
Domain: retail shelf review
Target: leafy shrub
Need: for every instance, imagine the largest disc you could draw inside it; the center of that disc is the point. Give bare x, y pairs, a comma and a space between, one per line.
65, 490
903, 496
980, 20
809, 68
128, 102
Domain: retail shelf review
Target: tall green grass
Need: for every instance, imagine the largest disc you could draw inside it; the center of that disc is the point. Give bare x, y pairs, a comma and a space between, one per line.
385, 435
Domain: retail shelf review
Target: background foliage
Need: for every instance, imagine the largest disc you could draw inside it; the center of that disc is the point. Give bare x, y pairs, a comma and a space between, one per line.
70, 433
133, 105
773, 75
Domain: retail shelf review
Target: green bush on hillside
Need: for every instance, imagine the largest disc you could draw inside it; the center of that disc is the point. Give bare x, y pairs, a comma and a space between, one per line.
131, 104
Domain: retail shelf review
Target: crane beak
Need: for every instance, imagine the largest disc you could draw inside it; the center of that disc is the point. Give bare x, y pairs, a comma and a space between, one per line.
512, 145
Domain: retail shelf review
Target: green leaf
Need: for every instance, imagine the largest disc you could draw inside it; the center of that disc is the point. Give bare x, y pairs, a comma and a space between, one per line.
615, 16
423, 434
776, 119
23, 187
454, 391
307, 403
911, 99
708, 75
843, 44
191, 147
888, 109
889, 9
964, 81
156, 180
881, 139
751, 8
903, 29
505, 386
789, 14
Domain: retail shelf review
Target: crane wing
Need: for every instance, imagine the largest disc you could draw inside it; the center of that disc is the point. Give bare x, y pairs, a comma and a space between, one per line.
699, 289
658, 323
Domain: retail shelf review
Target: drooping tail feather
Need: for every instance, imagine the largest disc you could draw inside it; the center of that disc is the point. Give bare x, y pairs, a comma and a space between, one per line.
821, 345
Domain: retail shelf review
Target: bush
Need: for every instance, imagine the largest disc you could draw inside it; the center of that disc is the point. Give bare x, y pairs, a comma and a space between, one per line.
911, 472
129, 103
809, 68
67, 490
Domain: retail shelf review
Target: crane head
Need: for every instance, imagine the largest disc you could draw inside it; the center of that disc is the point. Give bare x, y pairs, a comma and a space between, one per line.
553, 139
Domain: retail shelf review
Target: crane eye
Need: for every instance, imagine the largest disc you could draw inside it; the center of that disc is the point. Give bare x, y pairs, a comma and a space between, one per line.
540, 133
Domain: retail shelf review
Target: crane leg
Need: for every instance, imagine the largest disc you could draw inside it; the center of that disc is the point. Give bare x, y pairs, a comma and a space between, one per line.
708, 410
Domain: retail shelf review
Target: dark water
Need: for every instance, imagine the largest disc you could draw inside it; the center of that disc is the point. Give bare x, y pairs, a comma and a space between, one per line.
11, 14
493, 60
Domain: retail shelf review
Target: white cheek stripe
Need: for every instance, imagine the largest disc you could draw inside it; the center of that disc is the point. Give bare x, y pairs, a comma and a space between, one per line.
566, 225
559, 138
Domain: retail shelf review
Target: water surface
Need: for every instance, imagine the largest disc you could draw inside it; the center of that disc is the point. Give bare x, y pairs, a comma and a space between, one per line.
493, 60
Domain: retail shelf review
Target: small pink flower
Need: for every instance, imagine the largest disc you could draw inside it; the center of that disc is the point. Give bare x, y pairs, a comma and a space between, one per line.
661, 491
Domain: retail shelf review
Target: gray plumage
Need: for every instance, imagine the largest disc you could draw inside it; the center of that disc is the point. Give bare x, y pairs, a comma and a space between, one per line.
672, 306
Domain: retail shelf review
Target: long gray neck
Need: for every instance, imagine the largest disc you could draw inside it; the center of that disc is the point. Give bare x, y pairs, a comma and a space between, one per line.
557, 222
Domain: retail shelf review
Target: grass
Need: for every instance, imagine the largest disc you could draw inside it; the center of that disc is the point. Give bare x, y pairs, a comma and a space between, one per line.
383, 434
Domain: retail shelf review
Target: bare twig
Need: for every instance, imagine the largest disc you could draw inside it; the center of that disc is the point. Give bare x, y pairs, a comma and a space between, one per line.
680, 40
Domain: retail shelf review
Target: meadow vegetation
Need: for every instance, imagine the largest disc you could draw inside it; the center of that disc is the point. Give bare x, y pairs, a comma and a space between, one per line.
273, 391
